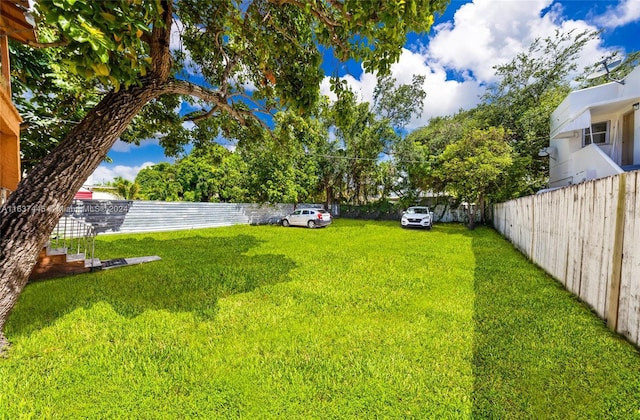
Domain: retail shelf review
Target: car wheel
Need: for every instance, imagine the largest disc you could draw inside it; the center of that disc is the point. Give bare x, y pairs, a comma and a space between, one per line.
311, 224
285, 223
429, 227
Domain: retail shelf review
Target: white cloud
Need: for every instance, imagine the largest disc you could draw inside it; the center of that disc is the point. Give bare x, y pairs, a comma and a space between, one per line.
104, 173
188, 125
121, 147
362, 87
444, 97
482, 34
487, 33
124, 147
625, 12
175, 42
325, 89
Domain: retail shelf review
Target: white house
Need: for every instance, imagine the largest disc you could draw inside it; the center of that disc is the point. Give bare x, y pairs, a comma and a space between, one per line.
595, 133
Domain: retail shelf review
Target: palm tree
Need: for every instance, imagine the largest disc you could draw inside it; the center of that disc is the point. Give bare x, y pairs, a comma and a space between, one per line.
126, 189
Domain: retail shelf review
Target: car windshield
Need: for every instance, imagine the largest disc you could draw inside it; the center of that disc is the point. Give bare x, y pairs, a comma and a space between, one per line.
417, 210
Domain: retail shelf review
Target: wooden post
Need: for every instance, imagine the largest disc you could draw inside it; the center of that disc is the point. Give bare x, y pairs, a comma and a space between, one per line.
532, 244
616, 266
4, 64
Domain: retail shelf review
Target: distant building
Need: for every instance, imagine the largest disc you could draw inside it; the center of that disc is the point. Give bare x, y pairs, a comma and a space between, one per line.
90, 191
595, 133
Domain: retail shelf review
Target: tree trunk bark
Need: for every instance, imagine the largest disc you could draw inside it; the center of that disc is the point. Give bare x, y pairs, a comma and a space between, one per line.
33, 210
471, 223
328, 201
482, 206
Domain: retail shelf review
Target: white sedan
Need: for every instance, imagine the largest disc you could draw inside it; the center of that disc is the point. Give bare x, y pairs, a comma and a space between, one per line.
310, 218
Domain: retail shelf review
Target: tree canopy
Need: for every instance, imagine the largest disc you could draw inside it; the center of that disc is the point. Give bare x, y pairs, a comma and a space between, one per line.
472, 166
528, 89
298, 161
235, 60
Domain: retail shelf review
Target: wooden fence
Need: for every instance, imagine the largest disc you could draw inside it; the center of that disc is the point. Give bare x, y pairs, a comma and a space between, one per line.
587, 236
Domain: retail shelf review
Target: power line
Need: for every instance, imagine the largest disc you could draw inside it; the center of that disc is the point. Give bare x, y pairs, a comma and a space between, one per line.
341, 157
364, 159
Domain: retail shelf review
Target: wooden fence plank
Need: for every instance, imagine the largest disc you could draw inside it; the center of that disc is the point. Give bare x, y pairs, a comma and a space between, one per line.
591, 250
575, 235
603, 246
616, 242
568, 209
610, 195
578, 254
633, 257
562, 205
543, 233
629, 288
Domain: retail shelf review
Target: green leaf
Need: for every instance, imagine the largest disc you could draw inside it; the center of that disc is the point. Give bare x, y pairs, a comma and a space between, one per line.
108, 16
63, 22
101, 69
104, 55
93, 42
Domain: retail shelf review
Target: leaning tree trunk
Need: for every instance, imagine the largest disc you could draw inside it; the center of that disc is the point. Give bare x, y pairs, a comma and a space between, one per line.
33, 210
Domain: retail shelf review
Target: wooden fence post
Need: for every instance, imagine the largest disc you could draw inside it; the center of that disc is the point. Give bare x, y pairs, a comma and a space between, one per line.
616, 266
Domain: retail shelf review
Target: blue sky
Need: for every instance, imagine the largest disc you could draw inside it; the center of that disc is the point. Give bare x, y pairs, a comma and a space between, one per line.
457, 57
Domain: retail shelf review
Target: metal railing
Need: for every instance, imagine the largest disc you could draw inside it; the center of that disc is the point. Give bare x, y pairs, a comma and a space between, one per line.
75, 237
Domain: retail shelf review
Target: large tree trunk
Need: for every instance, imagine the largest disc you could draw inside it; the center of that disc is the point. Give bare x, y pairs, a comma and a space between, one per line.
328, 191
33, 210
471, 217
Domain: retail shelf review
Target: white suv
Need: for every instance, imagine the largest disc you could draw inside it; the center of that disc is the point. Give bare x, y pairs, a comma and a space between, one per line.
417, 217
308, 217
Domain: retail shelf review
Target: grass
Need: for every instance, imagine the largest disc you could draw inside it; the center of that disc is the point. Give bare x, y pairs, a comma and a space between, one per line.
360, 320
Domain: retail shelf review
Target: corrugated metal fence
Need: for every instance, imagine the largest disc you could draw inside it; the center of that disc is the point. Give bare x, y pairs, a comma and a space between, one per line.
120, 216
587, 236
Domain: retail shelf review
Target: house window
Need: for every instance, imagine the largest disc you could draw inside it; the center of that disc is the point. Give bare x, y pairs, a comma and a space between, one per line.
597, 134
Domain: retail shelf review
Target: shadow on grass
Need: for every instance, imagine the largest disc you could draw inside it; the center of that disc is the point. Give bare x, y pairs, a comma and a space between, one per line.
538, 352
194, 273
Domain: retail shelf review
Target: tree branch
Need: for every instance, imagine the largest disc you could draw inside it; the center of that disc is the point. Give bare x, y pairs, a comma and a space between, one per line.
62, 42
323, 17
200, 116
159, 43
219, 101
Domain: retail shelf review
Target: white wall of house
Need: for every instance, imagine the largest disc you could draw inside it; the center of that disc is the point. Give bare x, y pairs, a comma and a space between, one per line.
561, 162
572, 158
592, 162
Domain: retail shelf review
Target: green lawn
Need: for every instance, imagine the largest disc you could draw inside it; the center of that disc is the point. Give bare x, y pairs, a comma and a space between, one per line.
360, 320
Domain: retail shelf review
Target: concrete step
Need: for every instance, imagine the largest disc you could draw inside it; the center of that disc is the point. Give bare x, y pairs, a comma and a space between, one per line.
55, 251
55, 262
75, 257
93, 263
